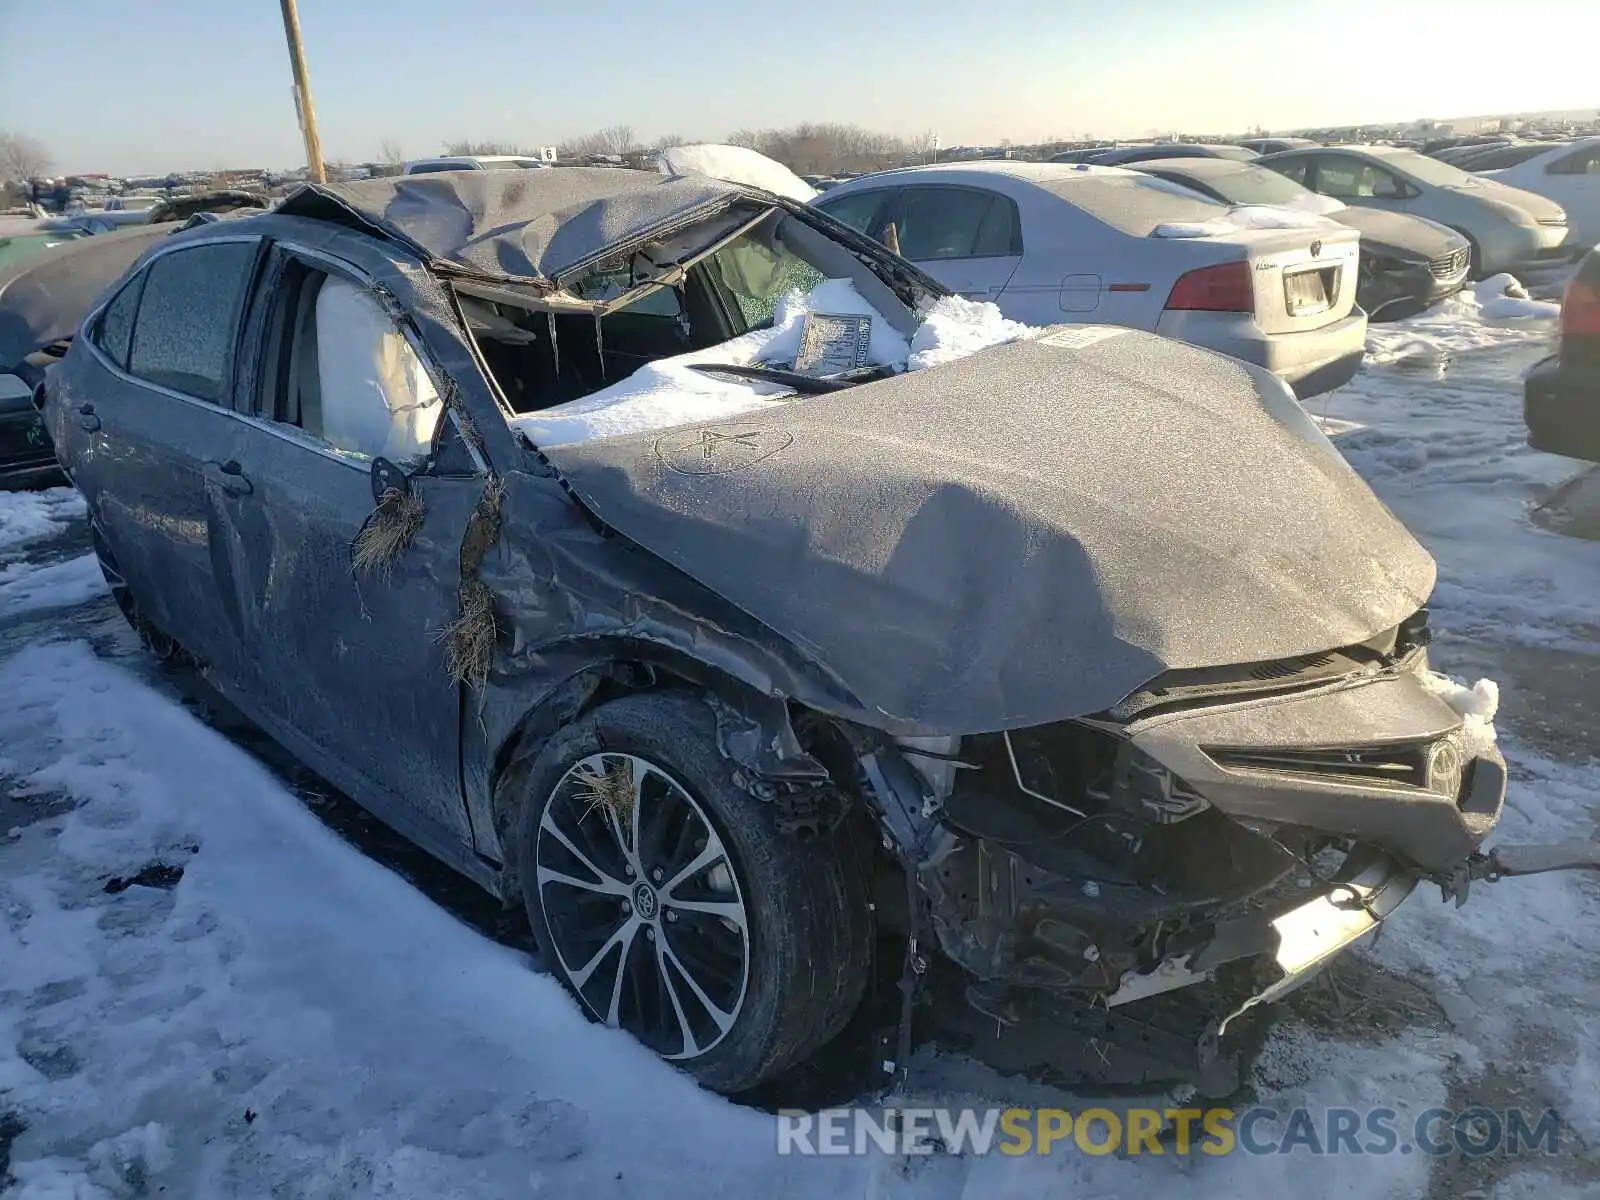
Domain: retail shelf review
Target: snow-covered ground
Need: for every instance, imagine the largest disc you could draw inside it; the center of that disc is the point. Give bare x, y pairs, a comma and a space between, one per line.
204, 992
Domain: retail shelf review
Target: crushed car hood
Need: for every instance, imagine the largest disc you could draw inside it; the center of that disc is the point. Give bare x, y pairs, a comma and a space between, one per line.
1024, 535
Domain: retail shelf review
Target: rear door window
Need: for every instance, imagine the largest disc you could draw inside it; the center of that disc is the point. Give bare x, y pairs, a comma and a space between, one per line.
859, 210
188, 317
1342, 178
941, 223
114, 331
1297, 169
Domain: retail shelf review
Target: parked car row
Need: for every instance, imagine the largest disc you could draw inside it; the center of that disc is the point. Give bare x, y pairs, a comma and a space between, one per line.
1059, 656
1407, 262
1051, 242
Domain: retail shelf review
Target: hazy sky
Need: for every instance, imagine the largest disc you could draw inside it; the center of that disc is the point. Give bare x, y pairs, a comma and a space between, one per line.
157, 85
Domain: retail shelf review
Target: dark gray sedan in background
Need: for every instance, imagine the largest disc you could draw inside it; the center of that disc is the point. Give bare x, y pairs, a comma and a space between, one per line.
1407, 262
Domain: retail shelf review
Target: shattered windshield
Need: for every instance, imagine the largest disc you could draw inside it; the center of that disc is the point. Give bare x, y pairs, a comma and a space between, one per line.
757, 275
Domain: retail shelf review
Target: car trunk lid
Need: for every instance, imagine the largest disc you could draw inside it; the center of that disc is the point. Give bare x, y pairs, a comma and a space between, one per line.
1302, 277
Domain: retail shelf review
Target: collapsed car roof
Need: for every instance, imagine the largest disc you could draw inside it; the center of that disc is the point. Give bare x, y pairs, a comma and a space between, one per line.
523, 226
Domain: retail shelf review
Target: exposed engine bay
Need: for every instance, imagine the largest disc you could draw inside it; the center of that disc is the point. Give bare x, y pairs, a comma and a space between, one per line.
1075, 877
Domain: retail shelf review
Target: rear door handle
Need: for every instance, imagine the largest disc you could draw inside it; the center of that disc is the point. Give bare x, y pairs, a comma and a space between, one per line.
229, 477
86, 418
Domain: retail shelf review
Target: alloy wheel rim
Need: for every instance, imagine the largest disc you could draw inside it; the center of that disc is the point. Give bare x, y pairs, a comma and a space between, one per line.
642, 904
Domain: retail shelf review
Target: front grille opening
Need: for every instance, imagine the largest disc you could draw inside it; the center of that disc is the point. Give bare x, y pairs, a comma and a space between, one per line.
1450, 264
1405, 764
1188, 686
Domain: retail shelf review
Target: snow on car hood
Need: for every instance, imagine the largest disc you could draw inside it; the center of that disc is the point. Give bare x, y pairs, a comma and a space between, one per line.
669, 392
1025, 534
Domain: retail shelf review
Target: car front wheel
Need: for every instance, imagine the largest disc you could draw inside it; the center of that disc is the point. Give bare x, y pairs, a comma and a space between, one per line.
664, 898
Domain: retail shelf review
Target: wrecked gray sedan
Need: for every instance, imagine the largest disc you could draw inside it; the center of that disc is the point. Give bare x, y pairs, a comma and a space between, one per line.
669, 558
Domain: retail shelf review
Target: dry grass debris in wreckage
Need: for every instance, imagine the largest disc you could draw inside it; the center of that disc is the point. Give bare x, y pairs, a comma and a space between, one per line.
469, 639
609, 789
388, 532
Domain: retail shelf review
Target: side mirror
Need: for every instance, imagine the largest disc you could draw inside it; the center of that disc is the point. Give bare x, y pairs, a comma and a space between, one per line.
386, 478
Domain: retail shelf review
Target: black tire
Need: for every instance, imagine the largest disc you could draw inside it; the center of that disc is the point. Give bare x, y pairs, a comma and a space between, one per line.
805, 927
160, 644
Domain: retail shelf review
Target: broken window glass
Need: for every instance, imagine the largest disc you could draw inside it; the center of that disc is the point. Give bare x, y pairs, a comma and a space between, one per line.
758, 275
184, 336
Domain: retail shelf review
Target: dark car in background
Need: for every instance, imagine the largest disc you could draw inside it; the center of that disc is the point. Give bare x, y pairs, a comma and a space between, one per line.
1561, 394
26, 457
1407, 262
1121, 156
1273, 145
43, 295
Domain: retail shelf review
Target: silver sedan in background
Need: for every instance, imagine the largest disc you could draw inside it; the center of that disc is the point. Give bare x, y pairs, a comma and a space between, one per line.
1510, 229
1057, 242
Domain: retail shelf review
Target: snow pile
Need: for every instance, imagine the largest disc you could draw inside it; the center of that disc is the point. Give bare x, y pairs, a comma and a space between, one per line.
1495, 312
1475, 705
26, 588
669, 392
1242, 217
290, 1018
735, 164
30, 516
956, 327
1503, 298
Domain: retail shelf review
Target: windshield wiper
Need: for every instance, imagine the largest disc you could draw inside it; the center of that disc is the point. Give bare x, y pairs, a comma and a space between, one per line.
806, 385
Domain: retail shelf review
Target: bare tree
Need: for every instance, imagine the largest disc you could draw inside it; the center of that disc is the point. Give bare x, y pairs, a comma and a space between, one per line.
923, 146
668, 140
614, 139
490, 147
827, 149
390, 153
22, 158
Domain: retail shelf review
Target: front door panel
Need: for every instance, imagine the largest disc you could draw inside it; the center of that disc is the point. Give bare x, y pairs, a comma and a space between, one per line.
353, 663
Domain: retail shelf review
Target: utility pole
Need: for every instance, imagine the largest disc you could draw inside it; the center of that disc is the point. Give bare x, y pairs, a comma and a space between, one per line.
306, 111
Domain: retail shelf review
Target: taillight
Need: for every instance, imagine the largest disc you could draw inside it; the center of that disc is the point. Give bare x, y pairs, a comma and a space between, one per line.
1226, 287
1580, 309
